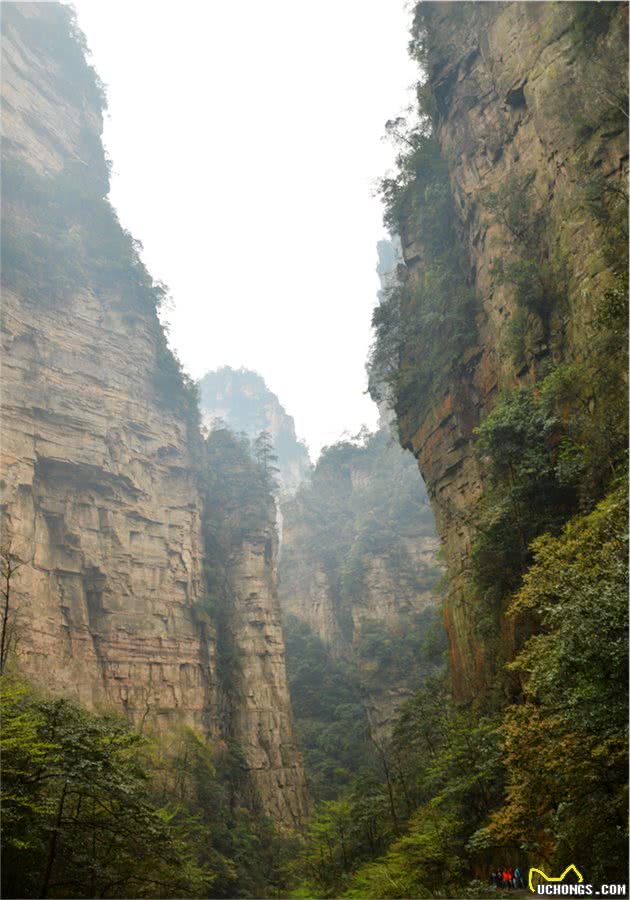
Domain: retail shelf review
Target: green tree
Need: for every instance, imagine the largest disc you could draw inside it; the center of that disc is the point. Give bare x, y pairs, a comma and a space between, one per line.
78, 817
425, 319
528, 492
566, 743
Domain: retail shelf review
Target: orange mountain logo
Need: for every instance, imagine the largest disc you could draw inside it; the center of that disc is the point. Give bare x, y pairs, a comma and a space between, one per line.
537, 876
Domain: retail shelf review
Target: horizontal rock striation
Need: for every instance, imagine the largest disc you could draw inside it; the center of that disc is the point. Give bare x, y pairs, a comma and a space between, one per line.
100, 469
259, 706
521, 98
99, 490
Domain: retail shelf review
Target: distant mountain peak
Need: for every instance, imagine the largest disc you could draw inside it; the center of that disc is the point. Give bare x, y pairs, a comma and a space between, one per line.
241, 398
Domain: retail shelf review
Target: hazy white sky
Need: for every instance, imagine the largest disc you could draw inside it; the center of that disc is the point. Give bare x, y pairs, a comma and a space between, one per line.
246, 138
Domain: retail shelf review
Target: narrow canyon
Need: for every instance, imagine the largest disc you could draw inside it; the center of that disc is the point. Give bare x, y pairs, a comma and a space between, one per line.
233, 671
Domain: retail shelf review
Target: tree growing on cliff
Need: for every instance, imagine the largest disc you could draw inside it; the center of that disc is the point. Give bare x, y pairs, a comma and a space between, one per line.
10, 563
263, 452
529, 491
425, 319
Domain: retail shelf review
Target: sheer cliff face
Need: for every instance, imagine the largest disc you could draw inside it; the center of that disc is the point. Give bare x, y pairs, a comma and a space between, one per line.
260, 708
521, 96
100, 450
389, 606
99, 493
358, 566
309, 592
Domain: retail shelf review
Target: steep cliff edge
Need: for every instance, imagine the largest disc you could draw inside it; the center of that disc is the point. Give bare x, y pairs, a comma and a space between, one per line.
99, 489
241, 552
502, 345
527, 153
101, 451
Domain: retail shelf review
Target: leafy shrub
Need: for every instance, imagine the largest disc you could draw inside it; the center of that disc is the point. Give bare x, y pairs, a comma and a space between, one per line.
566, 744
519, 442
532, 267
91, 808
79, 819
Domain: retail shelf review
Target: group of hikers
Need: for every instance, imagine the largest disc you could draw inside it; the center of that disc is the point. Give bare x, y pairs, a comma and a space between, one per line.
507, 878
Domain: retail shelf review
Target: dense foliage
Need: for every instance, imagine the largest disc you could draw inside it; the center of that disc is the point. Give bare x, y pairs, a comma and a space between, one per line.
550, 451
330, 719
531, 479
565, 744
92, 808
401, 828
239, 479
329, 695
364, 503
425, 318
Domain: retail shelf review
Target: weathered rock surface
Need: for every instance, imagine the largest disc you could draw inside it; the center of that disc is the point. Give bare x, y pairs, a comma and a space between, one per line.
259, 714
394, 583
517, 96
99, 493
100, 484
386, 600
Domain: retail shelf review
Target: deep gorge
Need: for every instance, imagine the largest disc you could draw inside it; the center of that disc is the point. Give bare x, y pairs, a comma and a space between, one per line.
229, 672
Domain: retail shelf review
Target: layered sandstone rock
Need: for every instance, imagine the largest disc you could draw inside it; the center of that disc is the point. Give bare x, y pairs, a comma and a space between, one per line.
520, 97
387, 601
99, 491
100, 452
259, 707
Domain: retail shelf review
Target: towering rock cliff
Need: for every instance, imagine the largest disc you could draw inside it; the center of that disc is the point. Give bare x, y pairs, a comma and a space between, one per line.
101, 450
528, 104
359, 567
243, 401
241, 552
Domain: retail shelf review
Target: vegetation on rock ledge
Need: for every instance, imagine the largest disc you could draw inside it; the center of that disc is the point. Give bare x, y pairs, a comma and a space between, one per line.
425, 320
